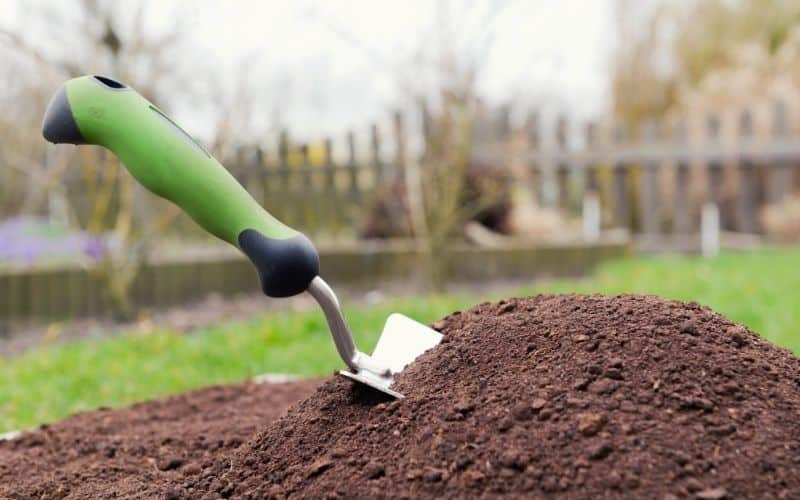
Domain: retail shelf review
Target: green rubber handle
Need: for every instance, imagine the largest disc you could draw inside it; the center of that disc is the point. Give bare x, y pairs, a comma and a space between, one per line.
172, 164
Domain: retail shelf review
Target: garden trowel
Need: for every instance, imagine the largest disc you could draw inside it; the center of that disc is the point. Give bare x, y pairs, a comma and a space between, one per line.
170, 163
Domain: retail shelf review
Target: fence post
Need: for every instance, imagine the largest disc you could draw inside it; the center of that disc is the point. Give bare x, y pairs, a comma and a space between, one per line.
590, 204
311, 223
250, 173
746, 199
352, 166
620, 186
562, 168
331, 205
649, 202
590, 169
427, 127
305, 165
330, 180
714, 167
681, 219
260, 175
400, 146
281, 191
535, 167
780, 178
375, 148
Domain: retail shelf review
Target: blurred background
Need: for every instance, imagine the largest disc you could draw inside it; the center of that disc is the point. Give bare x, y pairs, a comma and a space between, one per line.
438, 153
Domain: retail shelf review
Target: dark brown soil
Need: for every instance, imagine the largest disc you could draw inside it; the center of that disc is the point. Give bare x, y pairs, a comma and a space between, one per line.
585, 397
137, 452
575, 396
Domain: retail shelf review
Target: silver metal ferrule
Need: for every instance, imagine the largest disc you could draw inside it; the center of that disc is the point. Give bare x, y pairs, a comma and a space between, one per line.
353, 358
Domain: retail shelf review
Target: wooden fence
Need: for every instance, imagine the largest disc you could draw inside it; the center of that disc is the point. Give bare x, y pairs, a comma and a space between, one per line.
656, 183
324, 198
304, 185
652, 181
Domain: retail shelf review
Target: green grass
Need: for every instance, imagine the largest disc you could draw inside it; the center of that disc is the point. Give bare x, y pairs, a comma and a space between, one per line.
760, 289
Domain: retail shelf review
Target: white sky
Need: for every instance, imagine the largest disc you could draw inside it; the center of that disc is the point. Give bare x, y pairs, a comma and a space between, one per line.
551, 52
330, 65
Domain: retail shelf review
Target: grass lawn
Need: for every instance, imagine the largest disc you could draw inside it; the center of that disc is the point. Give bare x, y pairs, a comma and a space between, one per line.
760, 289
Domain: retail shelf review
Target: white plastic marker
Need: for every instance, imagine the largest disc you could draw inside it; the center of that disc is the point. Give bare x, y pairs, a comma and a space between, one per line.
591, 217
709, 230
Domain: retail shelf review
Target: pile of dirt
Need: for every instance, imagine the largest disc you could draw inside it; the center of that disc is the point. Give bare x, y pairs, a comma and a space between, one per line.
137, 452
585, 396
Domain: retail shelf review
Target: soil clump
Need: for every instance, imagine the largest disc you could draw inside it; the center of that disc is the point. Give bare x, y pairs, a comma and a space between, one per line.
139, 451
580, 396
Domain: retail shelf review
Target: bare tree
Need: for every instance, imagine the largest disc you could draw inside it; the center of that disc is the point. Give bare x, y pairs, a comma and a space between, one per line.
99, 42
443, 78
246, 109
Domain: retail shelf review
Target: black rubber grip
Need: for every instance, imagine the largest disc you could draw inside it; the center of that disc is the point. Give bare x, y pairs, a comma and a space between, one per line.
285, 267
59, 125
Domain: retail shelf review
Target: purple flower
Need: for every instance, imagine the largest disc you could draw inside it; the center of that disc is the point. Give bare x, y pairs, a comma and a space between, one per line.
93, 248
28, 240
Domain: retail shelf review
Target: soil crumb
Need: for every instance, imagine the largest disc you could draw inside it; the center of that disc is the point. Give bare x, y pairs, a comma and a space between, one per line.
569, 395
139, 451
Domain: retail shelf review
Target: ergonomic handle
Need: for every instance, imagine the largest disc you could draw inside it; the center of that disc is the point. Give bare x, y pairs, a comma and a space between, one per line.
170, 163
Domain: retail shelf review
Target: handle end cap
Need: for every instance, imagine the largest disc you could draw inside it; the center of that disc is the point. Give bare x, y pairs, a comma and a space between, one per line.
59, 123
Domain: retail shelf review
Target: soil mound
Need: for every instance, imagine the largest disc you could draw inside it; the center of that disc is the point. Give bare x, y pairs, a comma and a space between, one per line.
137, 452
583, 396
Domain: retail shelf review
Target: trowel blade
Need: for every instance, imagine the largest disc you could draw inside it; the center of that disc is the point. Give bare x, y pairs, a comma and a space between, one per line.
401, 342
